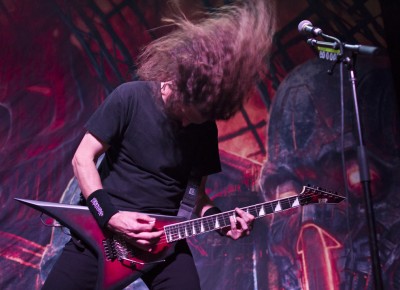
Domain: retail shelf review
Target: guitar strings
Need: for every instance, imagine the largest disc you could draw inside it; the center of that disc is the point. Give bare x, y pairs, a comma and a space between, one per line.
202, 225
186, 229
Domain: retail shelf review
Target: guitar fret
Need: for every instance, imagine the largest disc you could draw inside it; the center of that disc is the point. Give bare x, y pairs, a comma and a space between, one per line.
262, 211
202, 230
207, 223
296, 202
268, 208
187, 234
276, 206
199, 227
216, 225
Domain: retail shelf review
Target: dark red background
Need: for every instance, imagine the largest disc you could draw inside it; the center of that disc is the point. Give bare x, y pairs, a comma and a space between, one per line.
60, 59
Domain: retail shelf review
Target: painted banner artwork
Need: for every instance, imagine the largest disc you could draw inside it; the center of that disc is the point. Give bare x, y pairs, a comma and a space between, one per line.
59, 61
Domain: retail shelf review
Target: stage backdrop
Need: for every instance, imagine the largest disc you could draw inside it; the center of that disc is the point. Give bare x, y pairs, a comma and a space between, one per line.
60, 59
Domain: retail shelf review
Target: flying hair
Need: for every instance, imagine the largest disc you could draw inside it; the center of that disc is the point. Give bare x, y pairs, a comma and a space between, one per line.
213, 63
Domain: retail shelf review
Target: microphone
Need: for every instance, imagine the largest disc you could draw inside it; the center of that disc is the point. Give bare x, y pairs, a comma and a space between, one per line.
306, 27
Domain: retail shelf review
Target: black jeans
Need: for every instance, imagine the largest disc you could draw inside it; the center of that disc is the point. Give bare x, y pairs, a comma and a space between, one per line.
77, 269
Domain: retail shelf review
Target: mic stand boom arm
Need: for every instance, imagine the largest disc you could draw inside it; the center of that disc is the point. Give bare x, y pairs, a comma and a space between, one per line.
355, 48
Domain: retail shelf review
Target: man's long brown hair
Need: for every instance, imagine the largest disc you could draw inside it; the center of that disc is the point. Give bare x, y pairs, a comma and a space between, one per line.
212, 63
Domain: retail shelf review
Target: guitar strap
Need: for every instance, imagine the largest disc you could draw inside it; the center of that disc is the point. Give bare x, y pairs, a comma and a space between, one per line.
190, 197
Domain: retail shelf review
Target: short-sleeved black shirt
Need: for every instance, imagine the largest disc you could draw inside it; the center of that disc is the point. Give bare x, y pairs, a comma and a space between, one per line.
151, 156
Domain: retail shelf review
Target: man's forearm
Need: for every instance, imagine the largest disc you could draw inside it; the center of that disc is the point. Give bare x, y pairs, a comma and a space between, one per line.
87, 175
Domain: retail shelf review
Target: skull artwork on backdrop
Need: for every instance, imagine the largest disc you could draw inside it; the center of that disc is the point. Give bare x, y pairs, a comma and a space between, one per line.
327, 246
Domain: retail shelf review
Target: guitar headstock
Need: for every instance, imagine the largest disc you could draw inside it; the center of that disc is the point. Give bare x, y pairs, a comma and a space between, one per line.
312, 194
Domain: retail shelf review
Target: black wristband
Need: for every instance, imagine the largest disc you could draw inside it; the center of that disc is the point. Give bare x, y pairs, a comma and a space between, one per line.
211, 211
101, 207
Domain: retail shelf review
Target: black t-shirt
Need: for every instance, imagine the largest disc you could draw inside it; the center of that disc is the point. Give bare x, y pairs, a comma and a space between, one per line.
151, 156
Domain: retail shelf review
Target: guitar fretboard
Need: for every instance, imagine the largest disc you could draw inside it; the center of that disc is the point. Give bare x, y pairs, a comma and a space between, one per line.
198, 226
309, 195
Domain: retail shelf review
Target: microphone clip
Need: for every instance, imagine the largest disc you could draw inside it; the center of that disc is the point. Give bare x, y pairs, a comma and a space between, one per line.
327, 50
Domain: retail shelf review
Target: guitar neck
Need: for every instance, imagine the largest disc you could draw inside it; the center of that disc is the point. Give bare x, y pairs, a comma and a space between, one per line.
198, 226
309, 195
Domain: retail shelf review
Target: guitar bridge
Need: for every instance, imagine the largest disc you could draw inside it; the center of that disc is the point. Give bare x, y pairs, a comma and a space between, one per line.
116, 248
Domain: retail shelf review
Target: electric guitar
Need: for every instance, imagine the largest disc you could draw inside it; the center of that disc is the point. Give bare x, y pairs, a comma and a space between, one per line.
120, 263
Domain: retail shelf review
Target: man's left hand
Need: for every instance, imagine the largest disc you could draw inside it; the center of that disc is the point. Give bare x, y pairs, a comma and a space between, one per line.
241, 224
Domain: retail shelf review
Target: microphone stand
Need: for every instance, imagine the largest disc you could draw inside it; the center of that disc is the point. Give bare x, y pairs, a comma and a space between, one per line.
365, 178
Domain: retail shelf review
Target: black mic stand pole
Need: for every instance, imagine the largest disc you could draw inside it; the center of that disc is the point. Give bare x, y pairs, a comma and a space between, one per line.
365, 178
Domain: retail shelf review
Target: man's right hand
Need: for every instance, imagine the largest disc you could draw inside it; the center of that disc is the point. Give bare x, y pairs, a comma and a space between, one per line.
138, 228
